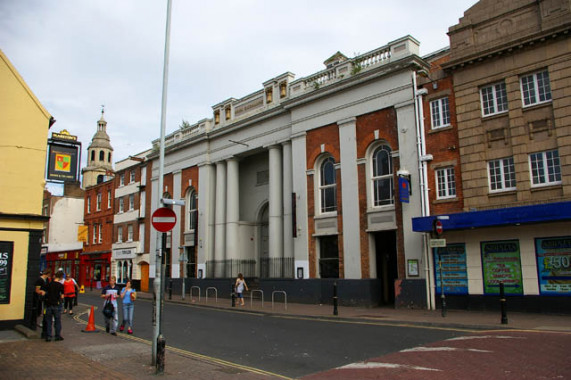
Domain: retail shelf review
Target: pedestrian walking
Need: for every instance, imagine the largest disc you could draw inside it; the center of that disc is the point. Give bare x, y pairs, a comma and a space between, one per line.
110, 293
128, 297
54, 300
240, 286
69, 291
41, 289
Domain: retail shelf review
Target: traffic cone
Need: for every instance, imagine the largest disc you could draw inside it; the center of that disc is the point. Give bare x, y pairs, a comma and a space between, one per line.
91, 323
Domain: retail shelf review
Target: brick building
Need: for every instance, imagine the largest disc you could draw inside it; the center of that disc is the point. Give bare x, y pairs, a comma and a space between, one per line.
298, 185
511, 68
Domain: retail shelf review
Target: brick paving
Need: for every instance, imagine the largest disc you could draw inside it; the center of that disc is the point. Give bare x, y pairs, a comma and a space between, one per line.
100, 355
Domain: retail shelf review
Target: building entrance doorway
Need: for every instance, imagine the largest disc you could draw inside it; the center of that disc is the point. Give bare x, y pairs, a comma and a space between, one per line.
387, 270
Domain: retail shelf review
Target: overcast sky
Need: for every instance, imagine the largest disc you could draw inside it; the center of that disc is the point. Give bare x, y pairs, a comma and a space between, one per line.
77, 55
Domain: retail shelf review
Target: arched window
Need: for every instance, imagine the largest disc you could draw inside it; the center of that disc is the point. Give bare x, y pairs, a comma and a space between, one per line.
382, 176
109, 157
328, 185
192, 210
101, 155
92, 155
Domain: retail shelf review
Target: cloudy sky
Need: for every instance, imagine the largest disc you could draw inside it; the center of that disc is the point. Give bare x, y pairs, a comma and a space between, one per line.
77, 55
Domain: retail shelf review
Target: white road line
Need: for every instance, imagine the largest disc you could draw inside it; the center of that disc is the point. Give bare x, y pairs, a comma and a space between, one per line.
437, 349
486, 337
375, 365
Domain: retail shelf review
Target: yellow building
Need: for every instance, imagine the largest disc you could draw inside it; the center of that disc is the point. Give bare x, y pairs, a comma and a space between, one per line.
25, 124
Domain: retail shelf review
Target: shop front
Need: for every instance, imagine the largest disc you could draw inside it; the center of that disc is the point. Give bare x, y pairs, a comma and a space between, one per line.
95, 269
526, 250
69, 261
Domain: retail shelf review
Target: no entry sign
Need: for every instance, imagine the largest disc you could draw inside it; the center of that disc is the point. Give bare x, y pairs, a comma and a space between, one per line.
163, 219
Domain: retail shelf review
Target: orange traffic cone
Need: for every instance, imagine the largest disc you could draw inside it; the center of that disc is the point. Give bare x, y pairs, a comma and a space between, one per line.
91, 323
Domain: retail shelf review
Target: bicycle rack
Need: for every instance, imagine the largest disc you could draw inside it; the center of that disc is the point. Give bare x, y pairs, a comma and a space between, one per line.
195, 287
215, 293
281, 292
252, 296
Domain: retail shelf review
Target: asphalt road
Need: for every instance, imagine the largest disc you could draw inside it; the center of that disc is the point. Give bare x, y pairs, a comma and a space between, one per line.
288, 346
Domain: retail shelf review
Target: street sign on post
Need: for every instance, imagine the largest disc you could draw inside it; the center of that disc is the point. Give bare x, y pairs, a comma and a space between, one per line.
437, 227
163, 219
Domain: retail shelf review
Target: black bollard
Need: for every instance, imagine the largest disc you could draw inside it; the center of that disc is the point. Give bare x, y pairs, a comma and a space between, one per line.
161, 343
233, 294
335, 299
170, 289
503, 304
91, 285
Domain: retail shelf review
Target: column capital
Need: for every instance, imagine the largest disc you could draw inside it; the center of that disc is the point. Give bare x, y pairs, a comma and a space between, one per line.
348, 121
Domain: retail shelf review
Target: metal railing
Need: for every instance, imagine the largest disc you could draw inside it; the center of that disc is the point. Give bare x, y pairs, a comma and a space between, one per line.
276, 267
280, 292
195, 287
215, 293
252, 296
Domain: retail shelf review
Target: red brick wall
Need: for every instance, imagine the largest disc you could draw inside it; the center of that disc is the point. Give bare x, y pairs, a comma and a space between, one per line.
442, 143
329, 137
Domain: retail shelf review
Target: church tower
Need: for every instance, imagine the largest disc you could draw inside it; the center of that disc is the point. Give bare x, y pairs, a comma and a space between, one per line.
99, 156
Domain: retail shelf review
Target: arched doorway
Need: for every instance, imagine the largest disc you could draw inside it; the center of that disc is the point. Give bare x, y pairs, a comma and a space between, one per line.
264, 240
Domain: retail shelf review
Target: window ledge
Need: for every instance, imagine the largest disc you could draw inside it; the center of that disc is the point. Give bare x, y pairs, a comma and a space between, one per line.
501, 192
445, 200
326, 215
536, 105
548, 186
440, 129
497, 115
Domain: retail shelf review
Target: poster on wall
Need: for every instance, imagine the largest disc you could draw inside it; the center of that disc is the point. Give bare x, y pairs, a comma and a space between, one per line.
6, 257
501, 263
454, 274
554, 265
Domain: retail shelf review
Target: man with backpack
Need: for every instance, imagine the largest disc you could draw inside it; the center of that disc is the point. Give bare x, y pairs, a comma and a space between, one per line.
110, 293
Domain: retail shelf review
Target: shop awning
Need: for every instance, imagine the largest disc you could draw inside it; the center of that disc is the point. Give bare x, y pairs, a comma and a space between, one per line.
543, 213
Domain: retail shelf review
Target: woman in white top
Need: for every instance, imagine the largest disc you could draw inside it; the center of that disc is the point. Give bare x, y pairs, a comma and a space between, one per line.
240, 285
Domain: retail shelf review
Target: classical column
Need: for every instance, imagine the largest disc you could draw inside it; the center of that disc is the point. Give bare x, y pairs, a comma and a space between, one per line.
287, 195
220, 221
275, 212
232, 214
350, 199
206, 219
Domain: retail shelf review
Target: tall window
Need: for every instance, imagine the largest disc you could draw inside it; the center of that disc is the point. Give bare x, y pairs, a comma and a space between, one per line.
440, 111
101, 155
94, 233
502, 174
108, 198
545, 168
132, 178
382, 176
99, 235
494, 99
131, 201
121, 206
130, 232
98, 204
122, 179
88, 205
445, 183
119, 234
535, 88
192, 208
328, 185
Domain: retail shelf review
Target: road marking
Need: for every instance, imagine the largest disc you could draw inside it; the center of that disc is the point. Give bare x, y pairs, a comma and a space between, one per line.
487, 337
436, 349
189, 354
375, 365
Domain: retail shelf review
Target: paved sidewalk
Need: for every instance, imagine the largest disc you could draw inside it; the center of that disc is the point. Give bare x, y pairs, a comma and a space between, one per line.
100, 355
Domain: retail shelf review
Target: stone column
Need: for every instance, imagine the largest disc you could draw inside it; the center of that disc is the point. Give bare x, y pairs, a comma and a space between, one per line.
350, 199
220, 221
232, 214
206, 220
275, 212
287, 194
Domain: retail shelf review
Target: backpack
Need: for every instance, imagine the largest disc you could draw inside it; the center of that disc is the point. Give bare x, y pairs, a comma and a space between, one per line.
108, 309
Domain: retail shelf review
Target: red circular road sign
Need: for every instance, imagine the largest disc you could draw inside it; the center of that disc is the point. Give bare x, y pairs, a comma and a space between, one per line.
438, 227
163, 219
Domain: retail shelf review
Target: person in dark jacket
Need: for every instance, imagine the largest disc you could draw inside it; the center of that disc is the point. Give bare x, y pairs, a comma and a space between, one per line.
54, 299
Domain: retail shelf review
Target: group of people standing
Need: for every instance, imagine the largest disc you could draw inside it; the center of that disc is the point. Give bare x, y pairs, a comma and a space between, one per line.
53, 295
50, 295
